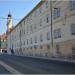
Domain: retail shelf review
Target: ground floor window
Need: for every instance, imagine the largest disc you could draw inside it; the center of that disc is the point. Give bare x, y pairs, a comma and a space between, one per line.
48, 46
73, 29
35, 46
46, 54
31, 48
40, 47
27, 48
73, 52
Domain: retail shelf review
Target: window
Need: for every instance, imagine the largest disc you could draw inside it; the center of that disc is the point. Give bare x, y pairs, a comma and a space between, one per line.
48, 35
72, 4
73, 29
40, 9
24, 42
24, 22
73, 50
35, 14
3, 40
57, 33
35, 46
27, 29
47, 18
30, 17
20, 25
40, 22
24, 31
41, 38
27, 48
56, 13
35, 26
48, 46
54, 1
31, 28
27, 41
27, 19
35, 39
40, 47
31, 40
46, 4
31, 48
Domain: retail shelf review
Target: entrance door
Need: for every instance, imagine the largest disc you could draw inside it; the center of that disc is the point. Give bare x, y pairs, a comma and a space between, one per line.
58, 49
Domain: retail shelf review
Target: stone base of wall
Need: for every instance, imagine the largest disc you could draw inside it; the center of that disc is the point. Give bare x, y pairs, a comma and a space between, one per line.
64, 50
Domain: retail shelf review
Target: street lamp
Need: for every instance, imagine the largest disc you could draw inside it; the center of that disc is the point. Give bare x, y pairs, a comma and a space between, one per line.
51, 24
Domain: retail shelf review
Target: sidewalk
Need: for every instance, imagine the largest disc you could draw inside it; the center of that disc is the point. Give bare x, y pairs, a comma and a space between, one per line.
52, 58
55, 59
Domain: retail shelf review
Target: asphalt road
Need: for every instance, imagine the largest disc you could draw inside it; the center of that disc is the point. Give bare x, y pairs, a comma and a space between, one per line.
3, 70
28, 65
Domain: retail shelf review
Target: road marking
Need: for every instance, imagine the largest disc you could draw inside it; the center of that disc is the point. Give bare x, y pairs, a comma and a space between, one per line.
10, 69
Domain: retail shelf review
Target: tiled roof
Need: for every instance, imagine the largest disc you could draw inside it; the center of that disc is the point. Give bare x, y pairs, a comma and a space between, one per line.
3, 36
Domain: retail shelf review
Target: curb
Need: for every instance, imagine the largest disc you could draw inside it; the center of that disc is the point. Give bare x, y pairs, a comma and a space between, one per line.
55, 59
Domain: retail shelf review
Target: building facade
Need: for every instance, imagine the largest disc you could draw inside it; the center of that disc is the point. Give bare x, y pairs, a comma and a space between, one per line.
47, 33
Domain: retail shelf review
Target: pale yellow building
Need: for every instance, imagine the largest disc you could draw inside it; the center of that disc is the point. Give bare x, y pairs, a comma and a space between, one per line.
32, 35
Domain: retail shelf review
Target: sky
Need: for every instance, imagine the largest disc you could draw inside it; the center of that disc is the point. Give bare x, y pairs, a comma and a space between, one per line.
17, 8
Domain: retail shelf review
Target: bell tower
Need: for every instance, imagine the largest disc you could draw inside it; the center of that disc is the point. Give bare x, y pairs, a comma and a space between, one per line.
9, 22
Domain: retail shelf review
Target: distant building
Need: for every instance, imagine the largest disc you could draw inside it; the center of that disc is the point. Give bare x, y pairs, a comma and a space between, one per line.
3, 43
32, 36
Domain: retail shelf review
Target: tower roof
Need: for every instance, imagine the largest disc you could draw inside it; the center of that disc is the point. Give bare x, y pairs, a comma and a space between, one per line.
9, 15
